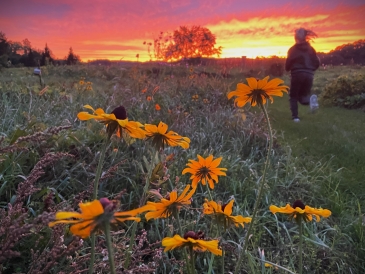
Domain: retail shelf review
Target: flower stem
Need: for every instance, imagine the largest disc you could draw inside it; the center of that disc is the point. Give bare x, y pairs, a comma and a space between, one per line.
99, 169
131, 242
261, 187
110, 247
92, 255
184, 250
300, 245
95, 196
192, 259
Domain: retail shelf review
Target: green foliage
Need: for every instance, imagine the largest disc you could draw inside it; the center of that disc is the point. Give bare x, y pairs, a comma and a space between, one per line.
346, 91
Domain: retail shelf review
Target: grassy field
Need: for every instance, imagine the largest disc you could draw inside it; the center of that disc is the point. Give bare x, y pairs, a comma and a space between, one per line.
49, 160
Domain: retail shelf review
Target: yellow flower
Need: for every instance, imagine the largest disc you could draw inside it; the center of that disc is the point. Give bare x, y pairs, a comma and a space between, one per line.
299, 210
93, 215
170, 205
190, 241
224, 213
81, 82
160, 137
116, 122
205, 170
257, 91
157, 107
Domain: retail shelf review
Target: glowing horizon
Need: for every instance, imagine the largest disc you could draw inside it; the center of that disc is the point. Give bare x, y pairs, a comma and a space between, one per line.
117, 31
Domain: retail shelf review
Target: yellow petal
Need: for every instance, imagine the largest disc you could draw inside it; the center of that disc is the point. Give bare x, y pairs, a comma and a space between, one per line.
228, 208
91, 209
67, 215
252, 82
89, 107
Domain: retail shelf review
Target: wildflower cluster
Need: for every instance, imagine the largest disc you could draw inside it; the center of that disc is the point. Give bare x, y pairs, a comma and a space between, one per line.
100, 214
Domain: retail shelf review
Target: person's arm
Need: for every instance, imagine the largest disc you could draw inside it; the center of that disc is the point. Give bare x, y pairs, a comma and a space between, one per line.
315, 59
288, 62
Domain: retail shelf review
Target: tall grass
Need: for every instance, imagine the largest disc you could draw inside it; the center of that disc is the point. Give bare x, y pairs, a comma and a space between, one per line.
320, 161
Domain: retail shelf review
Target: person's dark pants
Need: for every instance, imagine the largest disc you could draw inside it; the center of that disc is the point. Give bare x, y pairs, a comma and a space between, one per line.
300, 90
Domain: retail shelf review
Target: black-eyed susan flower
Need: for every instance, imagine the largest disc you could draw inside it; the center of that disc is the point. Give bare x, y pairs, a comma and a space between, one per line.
148, 98
160, 137
191, 241
170, 205
116, 122
257, 91
299, 210
157, 107
94, 214
205, 170
223, 213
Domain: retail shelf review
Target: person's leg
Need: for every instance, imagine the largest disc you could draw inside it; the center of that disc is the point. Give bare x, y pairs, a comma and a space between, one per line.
305, 89
295, 84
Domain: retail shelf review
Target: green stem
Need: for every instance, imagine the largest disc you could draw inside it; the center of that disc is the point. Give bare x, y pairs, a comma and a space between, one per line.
95, 196
210, 269
192, 259
142, 203
99, 169
92, 255
210, 195
131, 243
211, 263
182, 235
261, 187
300, 245
222, 260
110, 247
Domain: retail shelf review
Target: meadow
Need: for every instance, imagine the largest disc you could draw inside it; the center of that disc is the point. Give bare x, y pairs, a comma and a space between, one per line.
49, 160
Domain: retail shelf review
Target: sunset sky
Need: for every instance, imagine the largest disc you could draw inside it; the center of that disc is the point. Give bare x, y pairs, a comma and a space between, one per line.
116, 29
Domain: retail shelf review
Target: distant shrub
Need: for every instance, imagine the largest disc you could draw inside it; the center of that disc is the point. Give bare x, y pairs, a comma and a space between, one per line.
276, 70
346, 91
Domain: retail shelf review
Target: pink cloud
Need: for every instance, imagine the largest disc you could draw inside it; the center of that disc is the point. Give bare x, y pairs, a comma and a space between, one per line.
123, 25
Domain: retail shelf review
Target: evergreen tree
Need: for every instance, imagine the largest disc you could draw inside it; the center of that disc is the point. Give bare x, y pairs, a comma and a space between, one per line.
72, 58
46, 56
4, 45
30, 61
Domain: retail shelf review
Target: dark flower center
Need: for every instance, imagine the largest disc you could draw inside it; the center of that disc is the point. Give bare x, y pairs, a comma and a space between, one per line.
203, 172
194, 235
224, 206
108, 205
120, 113
298, 203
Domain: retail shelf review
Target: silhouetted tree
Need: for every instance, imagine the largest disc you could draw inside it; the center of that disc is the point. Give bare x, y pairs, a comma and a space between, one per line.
30, 61
72, 58
192, 42
26, 46
15, 47
46, 56
4, 45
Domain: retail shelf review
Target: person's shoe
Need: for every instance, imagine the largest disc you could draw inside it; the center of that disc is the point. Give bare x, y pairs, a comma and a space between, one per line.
313, 103
296, 120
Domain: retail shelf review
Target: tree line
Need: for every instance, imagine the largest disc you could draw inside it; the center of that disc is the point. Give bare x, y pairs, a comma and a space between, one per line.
14, 53
347, 54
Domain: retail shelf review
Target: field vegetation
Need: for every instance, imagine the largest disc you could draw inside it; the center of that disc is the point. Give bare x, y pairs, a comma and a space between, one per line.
51, 160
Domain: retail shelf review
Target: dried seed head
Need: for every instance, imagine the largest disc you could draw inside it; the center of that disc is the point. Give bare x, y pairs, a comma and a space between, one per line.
298, 203
120, 113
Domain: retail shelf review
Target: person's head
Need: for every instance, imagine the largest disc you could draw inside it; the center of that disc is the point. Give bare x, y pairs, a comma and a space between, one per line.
304, 35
